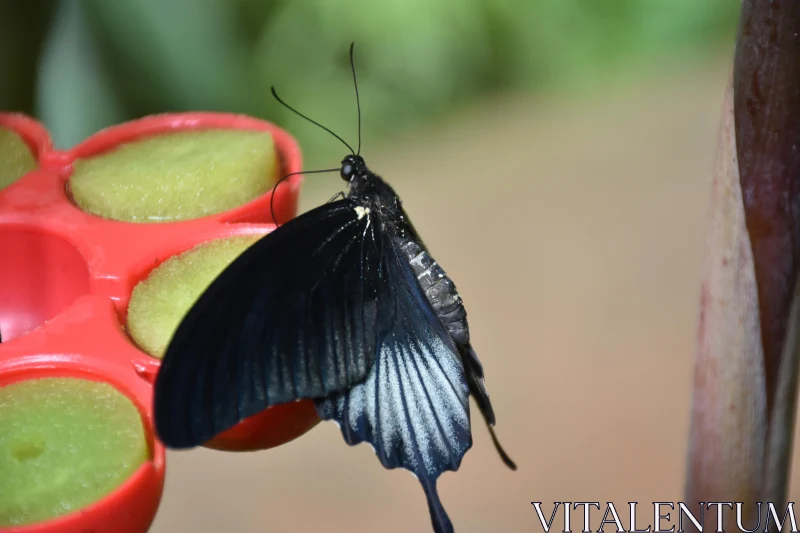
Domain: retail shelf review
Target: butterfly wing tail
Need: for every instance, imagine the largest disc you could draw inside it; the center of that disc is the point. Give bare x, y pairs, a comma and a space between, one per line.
440, 520
477, 387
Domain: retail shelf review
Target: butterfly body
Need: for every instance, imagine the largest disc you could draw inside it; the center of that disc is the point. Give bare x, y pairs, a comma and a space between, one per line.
439, 289
375, 198
378, 199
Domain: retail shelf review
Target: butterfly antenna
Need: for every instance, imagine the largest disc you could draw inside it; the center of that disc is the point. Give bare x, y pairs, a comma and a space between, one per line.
358, 102
275, 189
290, 108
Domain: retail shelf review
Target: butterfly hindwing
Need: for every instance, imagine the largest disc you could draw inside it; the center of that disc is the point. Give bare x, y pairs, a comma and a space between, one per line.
413, 407
292, 317
477, 385
472, 368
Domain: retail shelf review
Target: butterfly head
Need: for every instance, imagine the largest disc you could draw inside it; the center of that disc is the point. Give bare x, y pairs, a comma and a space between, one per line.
352, 165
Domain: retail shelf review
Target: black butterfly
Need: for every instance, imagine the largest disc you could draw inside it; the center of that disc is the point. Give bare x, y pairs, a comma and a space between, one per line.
343, 305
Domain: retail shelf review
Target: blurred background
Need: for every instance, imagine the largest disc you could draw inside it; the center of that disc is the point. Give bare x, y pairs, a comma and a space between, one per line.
556, 157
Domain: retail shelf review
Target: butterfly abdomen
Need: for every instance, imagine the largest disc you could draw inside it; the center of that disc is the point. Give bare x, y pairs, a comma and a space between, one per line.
439, 289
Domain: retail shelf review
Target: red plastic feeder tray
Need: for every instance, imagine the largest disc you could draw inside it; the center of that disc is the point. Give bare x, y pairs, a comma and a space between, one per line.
66, 279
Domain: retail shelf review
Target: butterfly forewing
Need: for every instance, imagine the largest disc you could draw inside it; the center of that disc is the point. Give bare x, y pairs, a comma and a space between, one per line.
413, 407
293, 317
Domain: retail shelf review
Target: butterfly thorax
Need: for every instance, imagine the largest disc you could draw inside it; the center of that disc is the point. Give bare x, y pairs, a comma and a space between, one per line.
369, 190
376, 198
370, 193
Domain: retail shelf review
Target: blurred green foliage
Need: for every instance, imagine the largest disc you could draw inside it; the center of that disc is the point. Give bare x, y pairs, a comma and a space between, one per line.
80, 65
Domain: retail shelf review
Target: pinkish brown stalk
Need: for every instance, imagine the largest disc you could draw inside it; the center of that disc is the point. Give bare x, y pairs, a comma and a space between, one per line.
745, 385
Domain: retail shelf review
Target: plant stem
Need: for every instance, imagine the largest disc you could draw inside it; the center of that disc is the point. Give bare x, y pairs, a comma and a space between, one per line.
746, 366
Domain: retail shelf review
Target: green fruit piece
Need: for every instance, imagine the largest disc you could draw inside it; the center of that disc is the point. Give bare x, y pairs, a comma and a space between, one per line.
176, 176
159, 302
16, 158
64, 444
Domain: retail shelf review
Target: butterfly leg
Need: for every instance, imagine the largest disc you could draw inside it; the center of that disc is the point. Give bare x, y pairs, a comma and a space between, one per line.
337, 196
